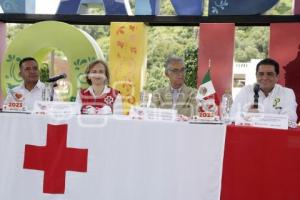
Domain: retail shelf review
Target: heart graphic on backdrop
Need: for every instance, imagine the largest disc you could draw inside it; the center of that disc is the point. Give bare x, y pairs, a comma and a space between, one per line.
18, 96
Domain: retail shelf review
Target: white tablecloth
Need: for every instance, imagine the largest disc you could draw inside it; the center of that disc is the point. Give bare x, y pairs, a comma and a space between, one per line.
127, 159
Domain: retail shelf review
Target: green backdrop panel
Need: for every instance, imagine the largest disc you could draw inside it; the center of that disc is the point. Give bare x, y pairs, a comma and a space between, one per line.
38, 40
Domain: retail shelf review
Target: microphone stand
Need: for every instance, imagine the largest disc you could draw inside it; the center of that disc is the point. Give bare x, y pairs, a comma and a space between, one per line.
52, 86
256, 96
51, 91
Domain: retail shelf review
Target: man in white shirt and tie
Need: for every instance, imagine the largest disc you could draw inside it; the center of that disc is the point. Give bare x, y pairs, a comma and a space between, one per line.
271, 97
31, 89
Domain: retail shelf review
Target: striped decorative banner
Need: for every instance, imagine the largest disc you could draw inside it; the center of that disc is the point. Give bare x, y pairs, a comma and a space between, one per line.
127, 60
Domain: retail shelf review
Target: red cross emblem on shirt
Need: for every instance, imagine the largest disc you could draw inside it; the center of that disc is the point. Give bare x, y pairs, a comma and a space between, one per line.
55, 159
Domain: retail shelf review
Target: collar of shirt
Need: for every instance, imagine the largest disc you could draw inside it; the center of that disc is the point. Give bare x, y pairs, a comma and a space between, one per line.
105, 90
272, 93
38, 85
176, 90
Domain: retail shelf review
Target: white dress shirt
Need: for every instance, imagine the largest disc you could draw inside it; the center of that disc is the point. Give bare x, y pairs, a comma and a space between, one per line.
280, 100
117, 106
28, 97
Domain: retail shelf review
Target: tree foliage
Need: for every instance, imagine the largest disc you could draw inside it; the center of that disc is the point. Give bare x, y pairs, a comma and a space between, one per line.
191, 62
250, 42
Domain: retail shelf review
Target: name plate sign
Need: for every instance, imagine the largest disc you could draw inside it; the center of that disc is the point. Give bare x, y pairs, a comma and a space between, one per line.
153, 114
262, 120
15, 107
56, 108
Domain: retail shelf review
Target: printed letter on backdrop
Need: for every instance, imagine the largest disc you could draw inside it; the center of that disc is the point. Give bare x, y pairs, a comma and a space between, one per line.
18, 6
117, 7
285, 48
127, 60
112, 7
239, 7
188, 7
68, 7
147, 7
216, 43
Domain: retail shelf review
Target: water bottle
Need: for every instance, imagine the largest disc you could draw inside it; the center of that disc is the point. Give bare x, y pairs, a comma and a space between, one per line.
145, 99
226, 106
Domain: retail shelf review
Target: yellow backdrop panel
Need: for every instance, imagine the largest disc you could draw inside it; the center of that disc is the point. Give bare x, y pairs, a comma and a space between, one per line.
127, 60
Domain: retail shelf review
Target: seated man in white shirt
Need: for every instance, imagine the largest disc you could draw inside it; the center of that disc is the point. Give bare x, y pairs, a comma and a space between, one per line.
272, 97
31, 89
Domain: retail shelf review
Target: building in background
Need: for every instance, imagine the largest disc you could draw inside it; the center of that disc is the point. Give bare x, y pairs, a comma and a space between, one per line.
243, 74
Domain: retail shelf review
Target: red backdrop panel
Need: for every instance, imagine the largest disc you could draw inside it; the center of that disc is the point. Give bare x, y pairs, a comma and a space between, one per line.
285, 48
261, 164
216, 42
297, 7
2, 49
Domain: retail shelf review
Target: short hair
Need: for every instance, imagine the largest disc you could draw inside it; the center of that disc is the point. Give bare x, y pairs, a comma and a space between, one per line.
26, 59
91, 65
268, 61
173, 58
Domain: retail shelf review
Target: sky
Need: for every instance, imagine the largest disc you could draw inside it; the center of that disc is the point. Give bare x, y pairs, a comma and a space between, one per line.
46, 6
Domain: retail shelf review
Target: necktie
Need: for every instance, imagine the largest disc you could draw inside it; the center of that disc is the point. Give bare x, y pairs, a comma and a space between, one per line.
175, 93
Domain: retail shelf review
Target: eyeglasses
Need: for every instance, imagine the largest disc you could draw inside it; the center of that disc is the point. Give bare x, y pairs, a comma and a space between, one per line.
268, 74
177, 71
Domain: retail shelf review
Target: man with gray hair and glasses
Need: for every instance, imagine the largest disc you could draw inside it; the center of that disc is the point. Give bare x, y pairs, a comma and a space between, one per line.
176, 95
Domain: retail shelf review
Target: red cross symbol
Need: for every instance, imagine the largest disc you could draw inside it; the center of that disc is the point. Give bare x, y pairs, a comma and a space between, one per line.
55, 159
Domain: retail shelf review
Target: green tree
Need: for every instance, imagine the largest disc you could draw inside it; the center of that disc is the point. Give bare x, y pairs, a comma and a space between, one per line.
13, 30
155, 78
252, 42
163, 42
44, 72
191, 63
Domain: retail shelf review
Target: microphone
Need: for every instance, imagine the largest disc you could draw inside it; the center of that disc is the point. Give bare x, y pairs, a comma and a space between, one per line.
256, 95
57, 77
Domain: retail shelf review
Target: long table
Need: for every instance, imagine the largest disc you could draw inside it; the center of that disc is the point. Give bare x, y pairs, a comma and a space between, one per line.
134, 160
261, 164
108, 158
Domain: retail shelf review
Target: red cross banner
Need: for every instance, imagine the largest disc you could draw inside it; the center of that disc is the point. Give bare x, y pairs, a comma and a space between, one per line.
108, 158
55, 159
